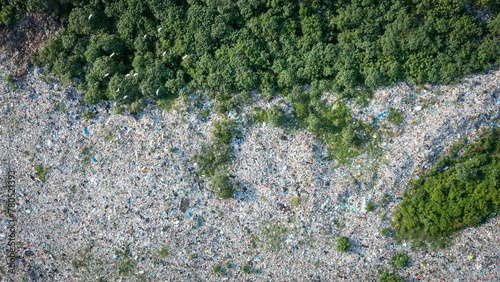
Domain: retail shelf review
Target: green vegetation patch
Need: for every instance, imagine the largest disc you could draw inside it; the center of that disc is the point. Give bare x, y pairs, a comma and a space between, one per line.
129, 50
457, 192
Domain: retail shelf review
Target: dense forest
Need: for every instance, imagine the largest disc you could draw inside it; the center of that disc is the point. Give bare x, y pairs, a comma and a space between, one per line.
459, 191
126, 50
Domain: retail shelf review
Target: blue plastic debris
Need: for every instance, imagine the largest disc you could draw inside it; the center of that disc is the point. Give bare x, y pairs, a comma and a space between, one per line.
190, 214
94, 160
85, 131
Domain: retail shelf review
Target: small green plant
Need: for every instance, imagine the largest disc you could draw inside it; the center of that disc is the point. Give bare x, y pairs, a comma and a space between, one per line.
40, 172
400, 260
228, 265
395, 117
386, 199
88, 114
216, 269
245, 268
221, 186
317, 264
343, 244
171, 150
370, 206
162, 252
296, 201
190, 257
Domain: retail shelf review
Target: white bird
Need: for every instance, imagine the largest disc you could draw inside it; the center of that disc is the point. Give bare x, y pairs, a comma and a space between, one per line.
114, 104
159, 29
90, 16
135, 74
157, 91
106, 75
125, 97
184, 57
111, 55
145, 36
127, 74
118, 90
164, 53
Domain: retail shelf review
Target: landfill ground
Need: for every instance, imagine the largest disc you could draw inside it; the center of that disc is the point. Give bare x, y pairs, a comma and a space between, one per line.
121, 201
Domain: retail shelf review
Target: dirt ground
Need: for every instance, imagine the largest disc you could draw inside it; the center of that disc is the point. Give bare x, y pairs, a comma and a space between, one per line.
23, 39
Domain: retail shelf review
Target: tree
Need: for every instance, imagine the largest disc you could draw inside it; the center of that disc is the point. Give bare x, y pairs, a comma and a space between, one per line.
221, 186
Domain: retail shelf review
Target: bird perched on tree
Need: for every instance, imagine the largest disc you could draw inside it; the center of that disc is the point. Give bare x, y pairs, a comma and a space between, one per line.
90, 16
135, 74
125, 97
106, 75
118, 90
145, 35
111, 55
159, 29
164, 53
185, 56
157, 91
127, 74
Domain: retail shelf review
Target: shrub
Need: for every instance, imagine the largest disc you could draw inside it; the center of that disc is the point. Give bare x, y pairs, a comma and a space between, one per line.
400, 260
88, 114
370, 206
162, 252
216, 269
205, 113
9, 78
390, 277
245, 268
343, 244
221, 186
